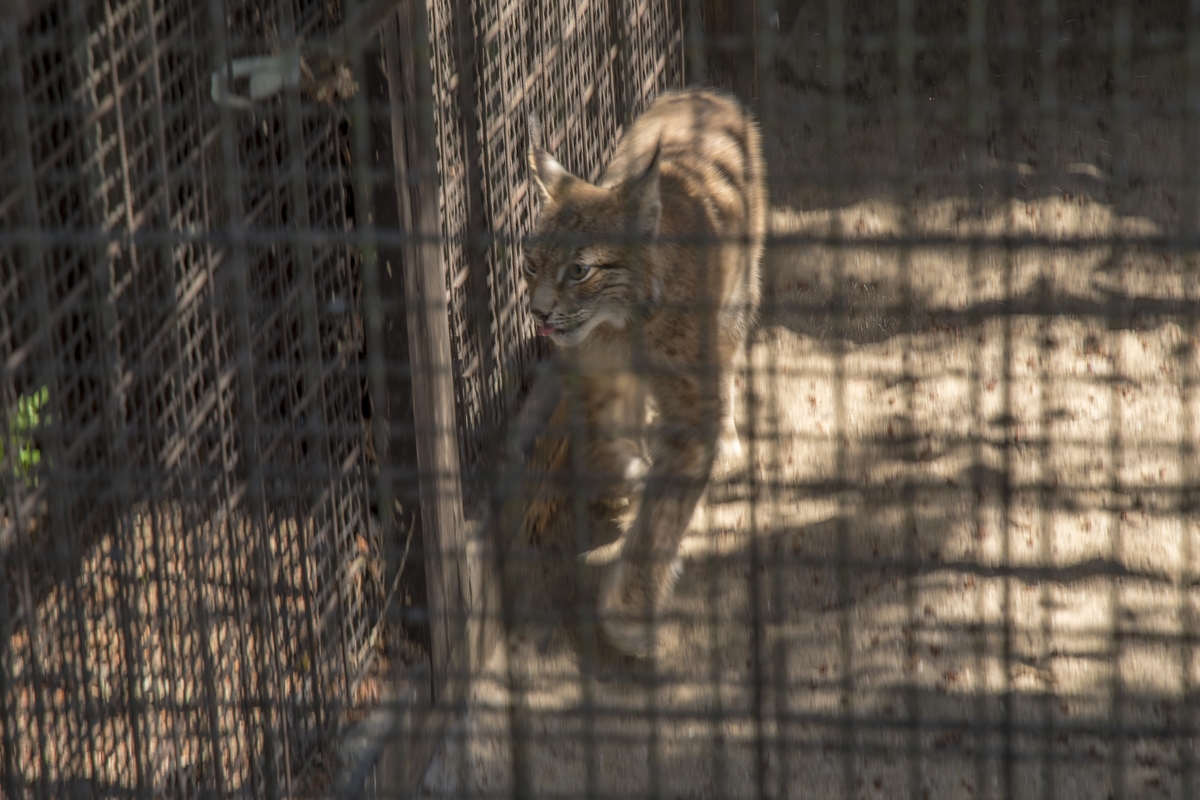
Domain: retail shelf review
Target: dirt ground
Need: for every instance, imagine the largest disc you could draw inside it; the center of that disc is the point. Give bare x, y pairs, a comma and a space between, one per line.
959, 559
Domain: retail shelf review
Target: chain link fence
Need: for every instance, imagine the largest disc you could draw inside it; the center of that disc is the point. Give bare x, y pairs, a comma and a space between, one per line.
191, 576
268, 529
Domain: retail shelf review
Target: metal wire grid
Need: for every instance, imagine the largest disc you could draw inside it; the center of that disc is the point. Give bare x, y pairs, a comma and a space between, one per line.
997, 597
585, 69
1002, 738
191, 585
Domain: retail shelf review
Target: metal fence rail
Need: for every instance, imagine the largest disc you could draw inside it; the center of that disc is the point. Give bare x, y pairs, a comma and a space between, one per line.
264, 333
959, 557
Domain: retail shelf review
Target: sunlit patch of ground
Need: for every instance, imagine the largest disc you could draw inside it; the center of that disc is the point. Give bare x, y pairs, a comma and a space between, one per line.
954, 553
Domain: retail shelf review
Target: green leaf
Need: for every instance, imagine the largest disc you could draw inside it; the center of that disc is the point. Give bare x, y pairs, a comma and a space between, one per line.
29, 417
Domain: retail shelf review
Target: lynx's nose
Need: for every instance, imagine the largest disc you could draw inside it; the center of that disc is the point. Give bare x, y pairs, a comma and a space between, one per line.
541, 305
541, 318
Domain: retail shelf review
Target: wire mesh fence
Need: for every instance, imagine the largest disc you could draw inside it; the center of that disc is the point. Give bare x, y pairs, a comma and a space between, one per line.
585, 69
954, 557
191, 576
311, 473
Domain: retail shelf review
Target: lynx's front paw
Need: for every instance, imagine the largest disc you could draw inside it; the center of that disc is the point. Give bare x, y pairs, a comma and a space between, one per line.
626, 612
628, 602
729, 447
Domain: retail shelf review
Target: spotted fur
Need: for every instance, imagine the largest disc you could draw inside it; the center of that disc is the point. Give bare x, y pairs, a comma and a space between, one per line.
648, 283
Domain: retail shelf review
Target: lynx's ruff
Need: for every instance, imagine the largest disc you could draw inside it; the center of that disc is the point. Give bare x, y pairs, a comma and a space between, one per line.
648, 283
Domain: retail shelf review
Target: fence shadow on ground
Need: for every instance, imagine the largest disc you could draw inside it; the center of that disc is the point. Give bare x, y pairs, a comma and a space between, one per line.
960, 508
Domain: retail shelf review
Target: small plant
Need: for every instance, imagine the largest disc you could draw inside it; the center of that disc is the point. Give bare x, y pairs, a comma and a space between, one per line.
23, 425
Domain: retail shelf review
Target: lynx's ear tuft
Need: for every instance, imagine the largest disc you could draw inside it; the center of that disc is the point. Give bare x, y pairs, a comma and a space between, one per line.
550, 177
642, 196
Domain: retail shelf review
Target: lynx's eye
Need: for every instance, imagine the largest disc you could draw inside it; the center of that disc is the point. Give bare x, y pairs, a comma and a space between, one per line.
577, 272
530, 272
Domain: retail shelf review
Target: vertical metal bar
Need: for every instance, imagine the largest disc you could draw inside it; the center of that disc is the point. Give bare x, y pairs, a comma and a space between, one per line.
234, 279
201, 521
313, 401
776, 636
836, 177
573, 427
34, 254
100, 260
30, 253
766, 592
621, 33
203, 525
1048, 124
1007, 529
262, 528
905, 138
104, 296
1007, 754
179, 523
974, 107
1189, 476
695, 64
626, 102
1116, 322
169, 630
480, 289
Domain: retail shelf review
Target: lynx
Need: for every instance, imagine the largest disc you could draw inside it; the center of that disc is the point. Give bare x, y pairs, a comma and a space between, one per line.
648, 283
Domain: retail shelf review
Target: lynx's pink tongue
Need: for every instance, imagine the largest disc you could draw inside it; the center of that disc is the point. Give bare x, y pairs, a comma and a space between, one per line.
545, 330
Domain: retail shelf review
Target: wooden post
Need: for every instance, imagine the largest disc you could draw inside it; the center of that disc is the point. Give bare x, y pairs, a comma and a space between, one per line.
426, 304
463, 590
414, 720
463, 593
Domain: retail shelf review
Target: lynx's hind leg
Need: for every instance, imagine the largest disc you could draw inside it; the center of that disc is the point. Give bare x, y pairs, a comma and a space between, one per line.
628, 609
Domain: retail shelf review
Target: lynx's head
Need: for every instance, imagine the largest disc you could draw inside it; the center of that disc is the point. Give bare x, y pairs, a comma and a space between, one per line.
583, 263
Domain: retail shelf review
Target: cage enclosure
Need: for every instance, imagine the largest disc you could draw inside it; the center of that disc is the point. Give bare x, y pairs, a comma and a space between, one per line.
296, 502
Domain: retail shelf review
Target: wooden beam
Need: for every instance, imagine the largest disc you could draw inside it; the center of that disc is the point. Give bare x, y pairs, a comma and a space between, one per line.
426, 304
406, 729
463, 598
